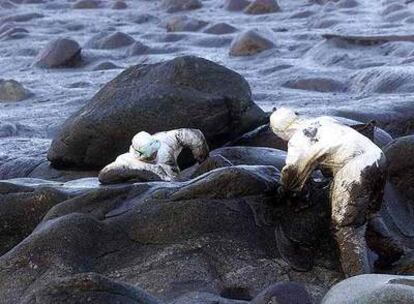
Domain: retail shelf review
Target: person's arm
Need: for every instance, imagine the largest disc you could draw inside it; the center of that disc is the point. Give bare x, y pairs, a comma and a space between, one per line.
301, 160
194, 140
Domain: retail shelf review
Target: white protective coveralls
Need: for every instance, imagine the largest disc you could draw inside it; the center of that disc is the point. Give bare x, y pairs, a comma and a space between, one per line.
157, 154
358, 168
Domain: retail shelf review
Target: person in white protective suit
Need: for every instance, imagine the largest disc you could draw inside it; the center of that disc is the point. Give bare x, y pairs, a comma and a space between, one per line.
358, 168
156, 154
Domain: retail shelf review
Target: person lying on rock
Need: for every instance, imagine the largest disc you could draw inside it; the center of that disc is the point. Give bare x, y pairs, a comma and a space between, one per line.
358, 168
154, 157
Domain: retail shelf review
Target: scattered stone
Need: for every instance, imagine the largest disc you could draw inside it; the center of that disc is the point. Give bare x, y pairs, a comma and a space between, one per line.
372, 288
236, 5
262, 7
184, 24
86, 4
138, 48
109, 121
249, 43
173, 6
107, 65
118, 5
59, 53
11, 90
110, 41
8, 129
220, 29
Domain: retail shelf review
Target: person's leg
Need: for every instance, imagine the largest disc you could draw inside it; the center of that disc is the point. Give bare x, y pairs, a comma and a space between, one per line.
349, 209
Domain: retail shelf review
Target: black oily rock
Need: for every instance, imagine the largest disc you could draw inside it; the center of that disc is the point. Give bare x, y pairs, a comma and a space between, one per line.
21, 209
192, 92
60, 52
171, 239
400, 156
235, 156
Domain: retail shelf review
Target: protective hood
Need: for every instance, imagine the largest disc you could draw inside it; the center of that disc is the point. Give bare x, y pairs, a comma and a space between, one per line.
283, 122
145, 146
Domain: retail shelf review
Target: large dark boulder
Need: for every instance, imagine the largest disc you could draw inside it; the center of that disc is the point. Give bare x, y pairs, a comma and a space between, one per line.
184, 92
400, 156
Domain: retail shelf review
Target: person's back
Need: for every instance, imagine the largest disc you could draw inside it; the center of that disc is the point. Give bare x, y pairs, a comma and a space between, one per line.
358, 167
155, 154
335, 144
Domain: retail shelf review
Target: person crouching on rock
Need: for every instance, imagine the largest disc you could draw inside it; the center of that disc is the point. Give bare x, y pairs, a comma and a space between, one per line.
156, 155
358, 168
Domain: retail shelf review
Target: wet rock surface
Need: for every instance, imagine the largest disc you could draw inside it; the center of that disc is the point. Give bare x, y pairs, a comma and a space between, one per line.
113, 242
377, 288
401, 168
